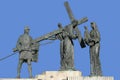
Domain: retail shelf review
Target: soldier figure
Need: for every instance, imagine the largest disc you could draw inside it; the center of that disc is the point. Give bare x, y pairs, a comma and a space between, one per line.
93, 40
28, 51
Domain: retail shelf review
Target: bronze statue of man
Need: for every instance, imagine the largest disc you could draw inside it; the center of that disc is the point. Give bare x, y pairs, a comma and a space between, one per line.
92, 39
27, 51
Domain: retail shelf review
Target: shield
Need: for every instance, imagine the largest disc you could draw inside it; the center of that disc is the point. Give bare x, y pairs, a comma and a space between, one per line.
35, 56
35, 52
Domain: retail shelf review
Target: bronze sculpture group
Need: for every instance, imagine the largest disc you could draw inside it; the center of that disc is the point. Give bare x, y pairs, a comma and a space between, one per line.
28, 48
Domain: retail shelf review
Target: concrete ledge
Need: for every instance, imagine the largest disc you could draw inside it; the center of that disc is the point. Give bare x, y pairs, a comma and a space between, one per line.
17, 79
98, 78
58, 75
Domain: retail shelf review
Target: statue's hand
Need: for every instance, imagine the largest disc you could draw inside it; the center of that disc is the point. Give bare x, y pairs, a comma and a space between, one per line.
75, 23
59, 36
74, 36
15, 49
92, 43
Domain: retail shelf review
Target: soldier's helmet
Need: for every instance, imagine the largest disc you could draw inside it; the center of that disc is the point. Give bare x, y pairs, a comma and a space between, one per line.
26, 28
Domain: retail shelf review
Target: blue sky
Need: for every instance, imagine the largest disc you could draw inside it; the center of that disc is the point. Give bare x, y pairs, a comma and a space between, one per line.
42, 16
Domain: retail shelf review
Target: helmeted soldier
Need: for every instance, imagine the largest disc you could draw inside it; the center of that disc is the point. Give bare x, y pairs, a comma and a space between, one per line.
27, 51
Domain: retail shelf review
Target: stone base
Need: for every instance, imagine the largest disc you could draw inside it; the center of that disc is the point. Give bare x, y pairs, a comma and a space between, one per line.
68, 75
98, 78
63, 75
58, 75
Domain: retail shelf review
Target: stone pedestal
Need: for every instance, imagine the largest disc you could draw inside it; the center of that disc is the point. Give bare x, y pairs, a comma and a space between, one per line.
68, 75
63, 75
58, 75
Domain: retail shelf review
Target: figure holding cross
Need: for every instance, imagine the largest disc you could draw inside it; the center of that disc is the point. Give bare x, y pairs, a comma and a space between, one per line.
66, 36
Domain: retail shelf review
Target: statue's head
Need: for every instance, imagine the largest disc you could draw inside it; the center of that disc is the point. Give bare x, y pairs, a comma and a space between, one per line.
26, 30
93, 25
60, 25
